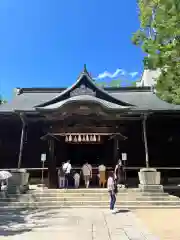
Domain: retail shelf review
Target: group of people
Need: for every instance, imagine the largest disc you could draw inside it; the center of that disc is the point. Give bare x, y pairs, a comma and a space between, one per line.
115, 178
65, 174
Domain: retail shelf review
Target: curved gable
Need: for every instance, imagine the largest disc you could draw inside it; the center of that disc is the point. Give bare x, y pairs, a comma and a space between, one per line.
84, 86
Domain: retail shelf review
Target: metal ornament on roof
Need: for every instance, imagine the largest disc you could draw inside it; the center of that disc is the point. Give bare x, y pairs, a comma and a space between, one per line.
82, 90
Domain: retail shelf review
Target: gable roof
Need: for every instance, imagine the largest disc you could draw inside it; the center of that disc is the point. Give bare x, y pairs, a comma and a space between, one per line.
143, 98
84, 86
39, 99
83, 99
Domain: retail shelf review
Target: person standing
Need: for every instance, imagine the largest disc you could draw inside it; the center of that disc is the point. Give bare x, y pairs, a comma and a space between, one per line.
119, 173
112, 189
67, 170
87, 173
76, 180
102, 175
61, 177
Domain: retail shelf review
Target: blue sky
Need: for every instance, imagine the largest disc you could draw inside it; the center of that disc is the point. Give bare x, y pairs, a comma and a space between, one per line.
45, 43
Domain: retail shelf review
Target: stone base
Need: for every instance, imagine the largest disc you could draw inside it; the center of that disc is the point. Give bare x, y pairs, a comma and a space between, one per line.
149, 176
151, 188
18, 183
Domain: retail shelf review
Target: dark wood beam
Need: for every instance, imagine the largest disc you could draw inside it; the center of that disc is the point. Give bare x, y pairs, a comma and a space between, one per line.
21, 140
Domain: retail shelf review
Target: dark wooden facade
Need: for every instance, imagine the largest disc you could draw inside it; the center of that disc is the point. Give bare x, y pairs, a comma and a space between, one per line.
28, 131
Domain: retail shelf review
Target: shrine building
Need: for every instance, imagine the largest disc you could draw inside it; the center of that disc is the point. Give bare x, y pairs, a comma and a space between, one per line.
84, 122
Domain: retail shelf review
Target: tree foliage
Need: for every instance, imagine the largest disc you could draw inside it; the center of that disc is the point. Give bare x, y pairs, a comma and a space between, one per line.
2, 101
115, 83
159, 38
112, 83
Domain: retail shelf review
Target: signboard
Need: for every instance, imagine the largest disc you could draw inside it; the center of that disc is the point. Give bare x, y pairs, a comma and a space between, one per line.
124, 156
43, 157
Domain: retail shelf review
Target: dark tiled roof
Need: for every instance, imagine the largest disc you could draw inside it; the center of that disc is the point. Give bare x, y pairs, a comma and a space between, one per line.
34, 99
142, 98
83, 99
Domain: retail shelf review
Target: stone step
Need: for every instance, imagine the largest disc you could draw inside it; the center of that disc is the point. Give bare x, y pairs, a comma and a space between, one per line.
88, 203
86, 198
46, 194
85, 190
15, 209
38, 195
99, 198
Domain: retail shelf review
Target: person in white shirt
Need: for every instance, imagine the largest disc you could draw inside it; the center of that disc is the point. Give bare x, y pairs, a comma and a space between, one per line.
102, 175
112, 189
67, 170
76, 179
87, 173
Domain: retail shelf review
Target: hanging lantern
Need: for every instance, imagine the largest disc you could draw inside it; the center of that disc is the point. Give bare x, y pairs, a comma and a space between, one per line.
70, 138
84, 138
75, 139
66, 138
79, 138
94, 138
99, 138
87, 138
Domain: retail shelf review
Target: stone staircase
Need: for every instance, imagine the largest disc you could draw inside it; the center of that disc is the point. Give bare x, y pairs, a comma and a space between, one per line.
91, 198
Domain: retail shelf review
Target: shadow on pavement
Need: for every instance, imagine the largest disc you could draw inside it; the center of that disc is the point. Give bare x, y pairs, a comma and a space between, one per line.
173, 190
14, 222
122, 211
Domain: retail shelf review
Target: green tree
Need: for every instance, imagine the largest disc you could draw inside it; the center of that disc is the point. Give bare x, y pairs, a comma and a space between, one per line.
2, 101
115, 83
159, 38
101, 84
133, 83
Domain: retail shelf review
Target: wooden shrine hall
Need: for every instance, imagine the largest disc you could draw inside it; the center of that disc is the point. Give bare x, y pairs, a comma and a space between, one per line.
85, 122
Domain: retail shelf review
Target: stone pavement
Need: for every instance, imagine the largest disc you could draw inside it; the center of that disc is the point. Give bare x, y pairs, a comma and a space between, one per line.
162, 222
89, 224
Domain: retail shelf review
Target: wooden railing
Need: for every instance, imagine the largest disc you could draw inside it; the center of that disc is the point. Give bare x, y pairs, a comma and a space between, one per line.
108, 168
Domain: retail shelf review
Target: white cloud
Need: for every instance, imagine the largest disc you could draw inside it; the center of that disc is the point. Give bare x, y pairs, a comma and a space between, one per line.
107, 74
133, 74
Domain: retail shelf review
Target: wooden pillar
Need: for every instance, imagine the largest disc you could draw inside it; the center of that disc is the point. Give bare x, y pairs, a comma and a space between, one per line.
22, 140
116, 150
145, 141
52, 174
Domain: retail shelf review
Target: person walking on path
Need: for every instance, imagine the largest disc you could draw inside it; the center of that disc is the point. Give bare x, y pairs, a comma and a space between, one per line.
67, 170
76, 180
61, 177
102, 175
119, 173
112, 189
87, 173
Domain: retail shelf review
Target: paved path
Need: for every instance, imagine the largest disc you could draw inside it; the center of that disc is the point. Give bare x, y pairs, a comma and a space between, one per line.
162, 222
88, 224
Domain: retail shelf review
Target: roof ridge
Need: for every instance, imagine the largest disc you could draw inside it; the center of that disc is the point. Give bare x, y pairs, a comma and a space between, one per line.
60, 89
